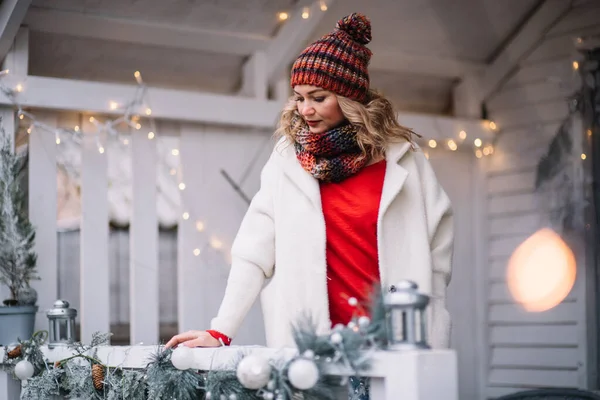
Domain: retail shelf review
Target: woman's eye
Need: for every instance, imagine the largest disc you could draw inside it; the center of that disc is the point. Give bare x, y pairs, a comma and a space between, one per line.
319, 99
298, 99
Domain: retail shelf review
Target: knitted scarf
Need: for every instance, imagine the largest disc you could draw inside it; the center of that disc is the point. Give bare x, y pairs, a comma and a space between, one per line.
331, 156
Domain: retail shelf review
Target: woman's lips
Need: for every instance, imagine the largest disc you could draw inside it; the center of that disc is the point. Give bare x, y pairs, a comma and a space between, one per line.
312, 123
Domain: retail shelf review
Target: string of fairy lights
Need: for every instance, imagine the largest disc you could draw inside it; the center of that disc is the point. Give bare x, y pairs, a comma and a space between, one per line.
133, 115
477, 145
137, 111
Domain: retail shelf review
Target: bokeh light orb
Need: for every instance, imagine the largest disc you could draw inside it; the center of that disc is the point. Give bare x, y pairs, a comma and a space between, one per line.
541, 272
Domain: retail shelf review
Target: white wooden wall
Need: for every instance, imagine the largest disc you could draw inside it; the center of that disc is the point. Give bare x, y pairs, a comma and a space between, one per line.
532, 349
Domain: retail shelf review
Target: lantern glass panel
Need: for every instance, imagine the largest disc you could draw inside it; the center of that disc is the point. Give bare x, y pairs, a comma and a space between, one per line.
62, 326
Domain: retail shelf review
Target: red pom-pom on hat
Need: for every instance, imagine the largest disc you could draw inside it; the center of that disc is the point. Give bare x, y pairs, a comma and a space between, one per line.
357, 26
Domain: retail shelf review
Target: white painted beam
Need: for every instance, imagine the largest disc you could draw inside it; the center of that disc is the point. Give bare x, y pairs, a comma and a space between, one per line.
466, 97
12, 13
442, 128
95, 97
17, 58
187, 106
291, 38
142, 32
254, 77
393, 60
524, 42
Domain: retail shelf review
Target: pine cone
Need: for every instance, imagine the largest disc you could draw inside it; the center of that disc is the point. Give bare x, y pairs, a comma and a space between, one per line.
98, 376
14, 353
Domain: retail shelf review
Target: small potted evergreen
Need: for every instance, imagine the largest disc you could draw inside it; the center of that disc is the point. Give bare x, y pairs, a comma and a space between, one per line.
17, 256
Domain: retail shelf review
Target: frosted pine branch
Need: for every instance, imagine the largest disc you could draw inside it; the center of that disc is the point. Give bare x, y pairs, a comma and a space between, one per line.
17, 235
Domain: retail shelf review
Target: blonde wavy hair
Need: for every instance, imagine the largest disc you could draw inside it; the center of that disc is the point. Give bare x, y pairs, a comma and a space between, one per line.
376, 121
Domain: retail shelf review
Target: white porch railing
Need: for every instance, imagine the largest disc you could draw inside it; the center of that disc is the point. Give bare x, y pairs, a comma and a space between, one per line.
406, 375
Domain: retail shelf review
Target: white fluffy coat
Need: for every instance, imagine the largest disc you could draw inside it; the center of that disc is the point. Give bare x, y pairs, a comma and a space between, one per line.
281, 242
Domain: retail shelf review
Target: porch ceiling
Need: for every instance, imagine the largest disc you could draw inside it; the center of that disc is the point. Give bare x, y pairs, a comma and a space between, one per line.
421, 47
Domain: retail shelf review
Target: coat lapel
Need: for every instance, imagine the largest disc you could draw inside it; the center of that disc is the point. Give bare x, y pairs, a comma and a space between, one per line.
395, 176
302, 179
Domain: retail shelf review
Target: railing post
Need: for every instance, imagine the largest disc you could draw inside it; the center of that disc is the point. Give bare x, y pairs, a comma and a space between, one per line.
94, 288
10, 389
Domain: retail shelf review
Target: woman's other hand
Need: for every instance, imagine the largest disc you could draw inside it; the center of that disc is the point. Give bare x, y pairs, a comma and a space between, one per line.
193, 339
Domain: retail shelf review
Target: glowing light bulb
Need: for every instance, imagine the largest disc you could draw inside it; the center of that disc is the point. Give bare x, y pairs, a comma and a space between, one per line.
148, 111
101, 150
196, 252
583, 156
113, 105
575, 65
182, 186
478, 153
76, 129
305, 14
432, 143
493, 125
150, 135
175, 152
125, 142
186, 215
462, 135
216, 243
283, 16
199, 226
19, 88
477, 142
452, 145
323, 6
541, 271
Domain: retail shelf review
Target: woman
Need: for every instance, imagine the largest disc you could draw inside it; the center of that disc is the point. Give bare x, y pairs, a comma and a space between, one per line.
346, 200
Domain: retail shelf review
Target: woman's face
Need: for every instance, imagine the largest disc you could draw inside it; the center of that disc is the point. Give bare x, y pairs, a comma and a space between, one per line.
318, 107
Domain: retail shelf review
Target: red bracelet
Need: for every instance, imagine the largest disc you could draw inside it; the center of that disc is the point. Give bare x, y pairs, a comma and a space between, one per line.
224, 339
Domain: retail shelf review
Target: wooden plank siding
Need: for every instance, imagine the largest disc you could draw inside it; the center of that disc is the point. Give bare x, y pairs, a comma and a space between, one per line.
531, 350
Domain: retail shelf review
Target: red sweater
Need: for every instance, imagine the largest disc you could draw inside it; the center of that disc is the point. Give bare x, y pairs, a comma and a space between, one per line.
351, 208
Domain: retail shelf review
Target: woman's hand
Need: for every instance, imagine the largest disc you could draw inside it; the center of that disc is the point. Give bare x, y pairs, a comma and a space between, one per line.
193, 339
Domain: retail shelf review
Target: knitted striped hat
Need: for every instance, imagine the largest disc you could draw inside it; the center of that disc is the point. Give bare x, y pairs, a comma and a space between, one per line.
338, 61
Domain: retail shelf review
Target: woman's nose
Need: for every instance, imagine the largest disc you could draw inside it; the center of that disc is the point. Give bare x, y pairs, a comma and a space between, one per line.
307, 110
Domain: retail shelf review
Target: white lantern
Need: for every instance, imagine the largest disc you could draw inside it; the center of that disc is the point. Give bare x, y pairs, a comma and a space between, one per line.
61, 329
406, 319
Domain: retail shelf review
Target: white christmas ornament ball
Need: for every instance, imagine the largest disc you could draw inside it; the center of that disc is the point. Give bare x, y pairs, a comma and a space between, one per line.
182, 358
336, 338
253, 372
364, 321
24, 370
303, 374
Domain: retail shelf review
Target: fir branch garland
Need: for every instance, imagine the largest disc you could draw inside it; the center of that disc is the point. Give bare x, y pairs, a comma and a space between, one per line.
347, 346
166, 382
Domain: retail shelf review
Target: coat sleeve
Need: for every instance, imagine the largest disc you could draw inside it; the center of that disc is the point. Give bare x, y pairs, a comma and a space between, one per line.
440, 227
252, 256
